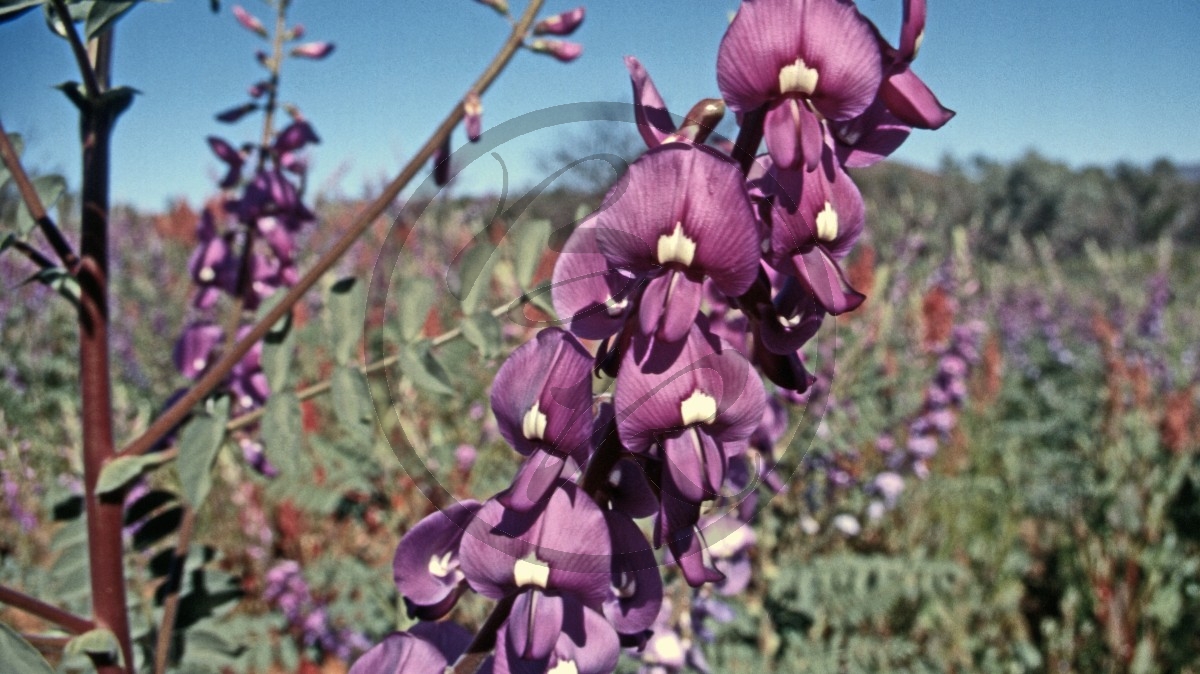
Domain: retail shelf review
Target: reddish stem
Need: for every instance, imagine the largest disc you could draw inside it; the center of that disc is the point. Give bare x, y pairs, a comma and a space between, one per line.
68, 621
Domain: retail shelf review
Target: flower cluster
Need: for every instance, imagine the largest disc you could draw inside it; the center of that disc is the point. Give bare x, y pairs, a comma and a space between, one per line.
703, 263
247, 241
287, 590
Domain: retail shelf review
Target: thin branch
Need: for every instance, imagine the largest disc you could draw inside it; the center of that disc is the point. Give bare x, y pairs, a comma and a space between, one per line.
90, 83
68, 621
214, 377
485, 639
46, 644
33, 254
174, 582
375, 367
34, 203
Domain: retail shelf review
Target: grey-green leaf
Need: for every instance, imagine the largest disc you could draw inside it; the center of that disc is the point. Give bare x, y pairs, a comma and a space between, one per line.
49, 189
118, 472
344, 317
416, 298
281, 431
19, 655
279, 348
352, 401
529, 247
423, 370
99, 643
475, 275
482, 331
198, 445
102, 14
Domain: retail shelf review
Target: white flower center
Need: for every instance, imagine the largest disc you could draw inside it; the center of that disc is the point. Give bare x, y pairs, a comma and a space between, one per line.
441, 566
798, 78
207, 274
199, 364
789, 321
676, 247
526, 572
827, 223
699, 407
918, 42
626, 585
534, 424
564, 667
665, 648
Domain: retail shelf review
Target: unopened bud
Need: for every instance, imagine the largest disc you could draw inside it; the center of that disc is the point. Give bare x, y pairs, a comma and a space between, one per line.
560, 24
560, 49
258, 89
473, 114
500, 6
441, 164
701, 120
313, 50
249, 21
297, 32
234, 114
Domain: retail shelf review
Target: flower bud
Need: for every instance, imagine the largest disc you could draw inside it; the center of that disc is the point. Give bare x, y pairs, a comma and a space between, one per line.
313, 50
259, 88
473, 113
560, 49
500, 6
234, 114
249, 21
560, 24
701, 120
297, 32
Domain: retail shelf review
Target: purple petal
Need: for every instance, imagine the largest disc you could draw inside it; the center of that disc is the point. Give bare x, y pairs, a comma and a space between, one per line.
830, 212
629, 491
426, 564
649, 110
534, 624
473, 116
792, 319
560, 24
401, 653
542, 396
786, 371
683, 206
592, 298
295, 136
869, 138
825, 279
912, 30
708, 383
451, 639
587, 641
669, 305
912, 102
696, 464
793, 134
691, 554
535, 478
194, 348
637, 584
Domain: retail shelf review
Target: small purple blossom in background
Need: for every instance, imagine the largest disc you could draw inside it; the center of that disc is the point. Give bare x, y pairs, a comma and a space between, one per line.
313, 50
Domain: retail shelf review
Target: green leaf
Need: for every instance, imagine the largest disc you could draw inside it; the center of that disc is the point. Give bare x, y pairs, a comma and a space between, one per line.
529, 247
416, 297
19, 655
103, 13
281, 431
49, 189
60, 280
117, 100
198, 445
98, 643
352, 401
482, 331
423, 370
540, 298
118, 472
345, 314
17, 143
475, 275
11, 9
78, 95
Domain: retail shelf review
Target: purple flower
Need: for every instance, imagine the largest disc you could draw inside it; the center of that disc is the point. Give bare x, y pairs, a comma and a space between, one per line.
249, 21
637, 588
560, 24
313, 50
560, 49
558, 564
235, 113
193, 351
232, 158
295, 136
691, 407
654, 121
905, 95
818, 216
426, 566
678, 216
542, 399
729, 542
805, 61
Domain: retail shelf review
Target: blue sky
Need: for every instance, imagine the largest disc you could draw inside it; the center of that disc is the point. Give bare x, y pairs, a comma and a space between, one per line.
1084, 81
